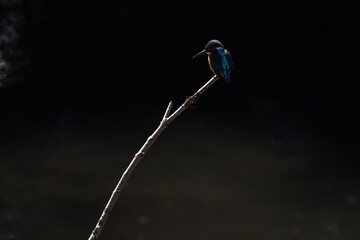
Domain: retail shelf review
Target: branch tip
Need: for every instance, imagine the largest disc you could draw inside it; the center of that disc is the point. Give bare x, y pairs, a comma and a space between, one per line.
168, 110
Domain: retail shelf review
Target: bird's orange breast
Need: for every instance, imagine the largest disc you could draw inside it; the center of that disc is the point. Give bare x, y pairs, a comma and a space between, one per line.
209, 61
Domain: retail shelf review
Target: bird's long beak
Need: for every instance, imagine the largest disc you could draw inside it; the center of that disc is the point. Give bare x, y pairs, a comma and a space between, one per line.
199, 54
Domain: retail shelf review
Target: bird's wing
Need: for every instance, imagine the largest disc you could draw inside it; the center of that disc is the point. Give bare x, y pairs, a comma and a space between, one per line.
221, 63
229, 59
226, 61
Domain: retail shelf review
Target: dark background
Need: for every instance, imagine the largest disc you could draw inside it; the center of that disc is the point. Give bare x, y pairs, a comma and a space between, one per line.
272, 155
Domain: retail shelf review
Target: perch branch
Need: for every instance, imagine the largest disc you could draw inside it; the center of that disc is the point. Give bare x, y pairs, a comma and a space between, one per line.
166, 120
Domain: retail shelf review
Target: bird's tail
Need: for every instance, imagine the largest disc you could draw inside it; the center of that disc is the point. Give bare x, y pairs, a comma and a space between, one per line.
226, 77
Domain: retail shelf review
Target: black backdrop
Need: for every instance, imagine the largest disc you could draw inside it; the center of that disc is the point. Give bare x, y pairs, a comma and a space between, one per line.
272, 155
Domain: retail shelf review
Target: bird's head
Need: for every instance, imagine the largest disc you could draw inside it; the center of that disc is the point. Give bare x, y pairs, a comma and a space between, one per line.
211, 45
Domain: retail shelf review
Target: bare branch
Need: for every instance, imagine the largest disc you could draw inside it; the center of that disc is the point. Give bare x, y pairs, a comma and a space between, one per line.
192, 99
168, 110
166, 120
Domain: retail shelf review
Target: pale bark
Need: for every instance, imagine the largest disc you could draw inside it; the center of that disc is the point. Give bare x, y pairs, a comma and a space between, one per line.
166, 120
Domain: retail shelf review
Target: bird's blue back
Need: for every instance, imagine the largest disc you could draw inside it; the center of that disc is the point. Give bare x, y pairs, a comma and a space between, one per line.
221, 63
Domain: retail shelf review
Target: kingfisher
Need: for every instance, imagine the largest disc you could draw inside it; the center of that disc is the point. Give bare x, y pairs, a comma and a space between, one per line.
220, 60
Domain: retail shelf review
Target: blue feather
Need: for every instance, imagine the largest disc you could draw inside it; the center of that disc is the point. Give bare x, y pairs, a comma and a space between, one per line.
220, 60
225, 65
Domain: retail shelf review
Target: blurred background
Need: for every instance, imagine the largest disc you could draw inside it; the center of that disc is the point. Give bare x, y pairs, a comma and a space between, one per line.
271, 155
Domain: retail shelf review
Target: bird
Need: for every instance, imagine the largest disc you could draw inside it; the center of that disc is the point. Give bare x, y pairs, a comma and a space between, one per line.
220, 60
